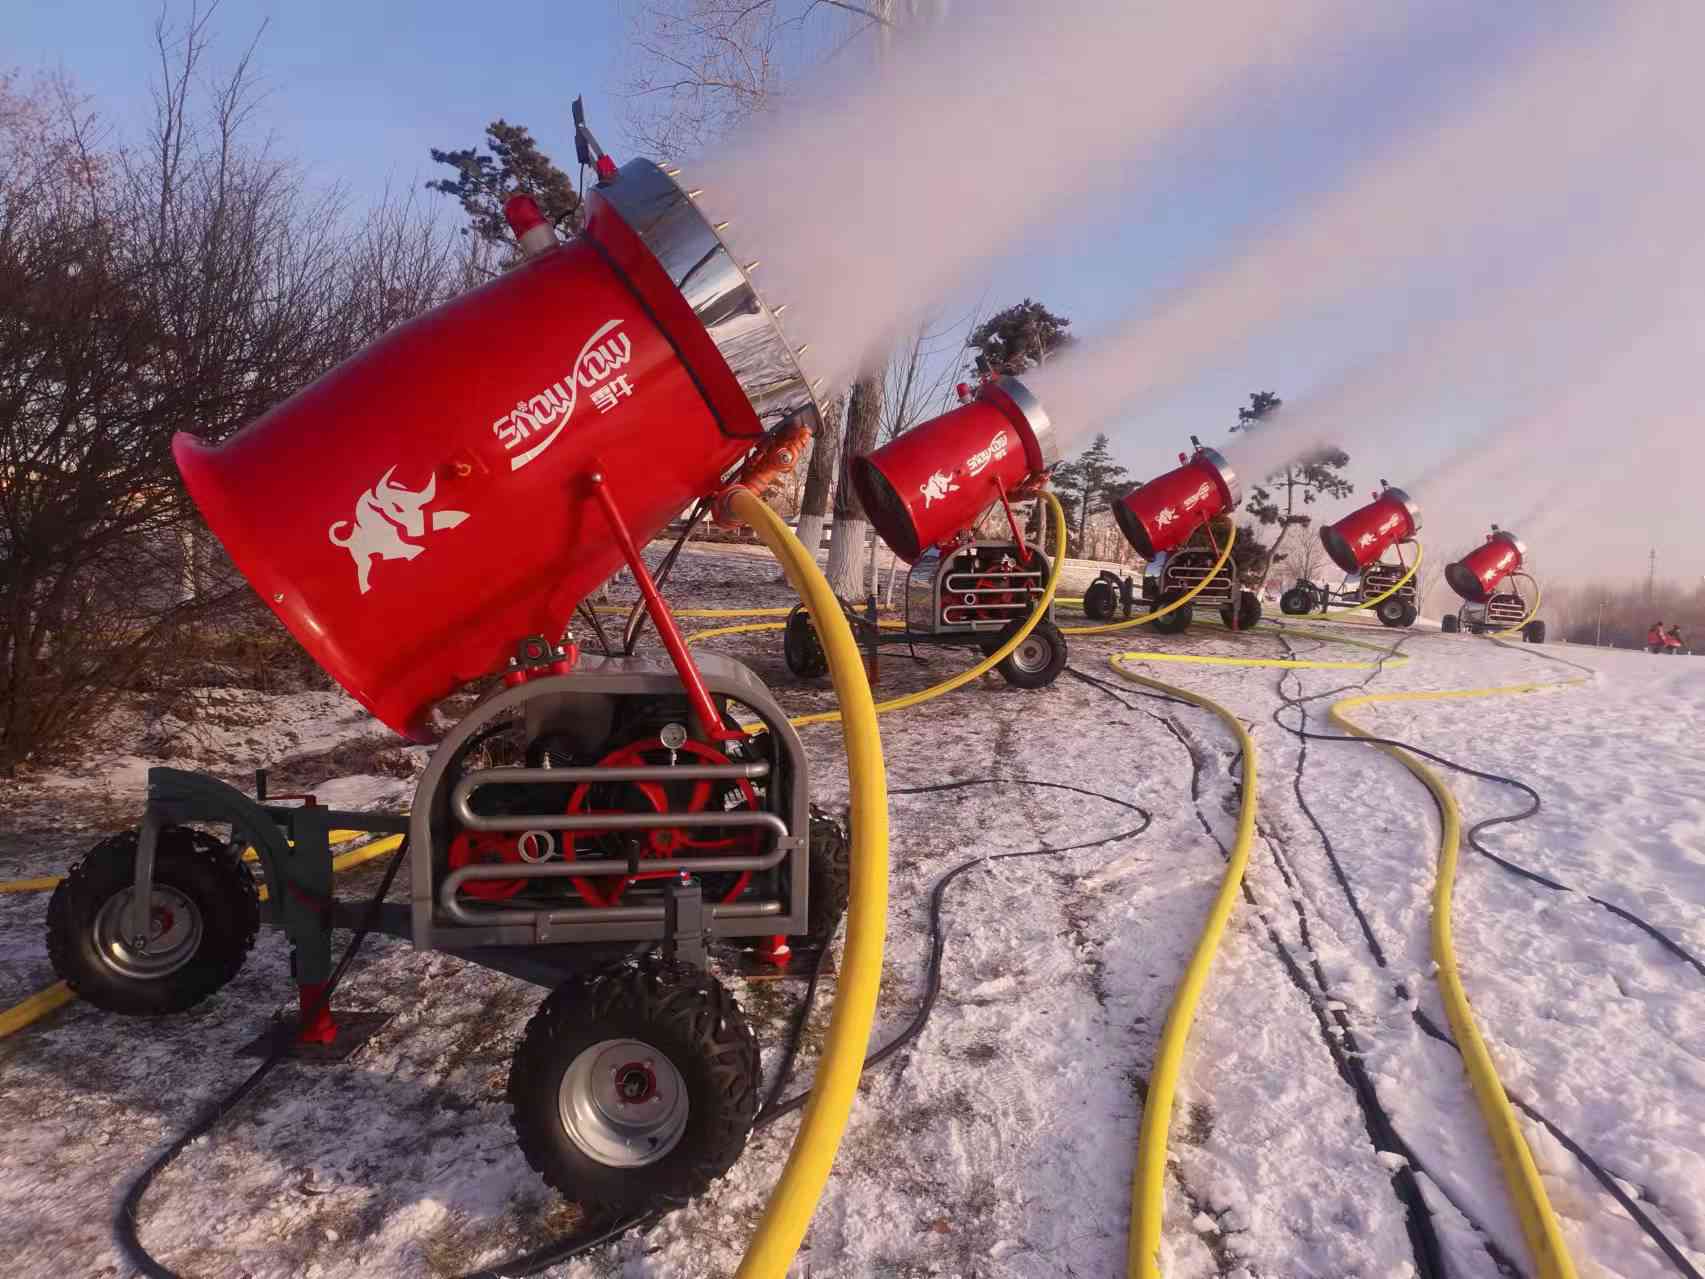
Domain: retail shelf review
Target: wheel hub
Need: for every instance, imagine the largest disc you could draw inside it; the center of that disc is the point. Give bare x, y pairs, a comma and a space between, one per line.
174, 933
1030, 656
623, 1103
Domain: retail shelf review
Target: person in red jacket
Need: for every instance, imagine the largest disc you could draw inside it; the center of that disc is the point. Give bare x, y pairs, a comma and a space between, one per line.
1672, 639
1655, 638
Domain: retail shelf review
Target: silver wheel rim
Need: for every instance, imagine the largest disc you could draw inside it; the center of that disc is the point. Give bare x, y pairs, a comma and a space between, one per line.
174, 933
1031, 656
623, 1103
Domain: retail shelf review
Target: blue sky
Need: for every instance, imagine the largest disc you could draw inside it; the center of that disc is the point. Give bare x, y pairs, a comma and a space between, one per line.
358, 91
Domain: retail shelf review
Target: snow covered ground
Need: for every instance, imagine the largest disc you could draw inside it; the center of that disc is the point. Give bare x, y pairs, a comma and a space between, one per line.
1002, 1143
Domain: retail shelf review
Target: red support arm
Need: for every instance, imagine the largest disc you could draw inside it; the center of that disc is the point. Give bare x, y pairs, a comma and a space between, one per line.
698, 696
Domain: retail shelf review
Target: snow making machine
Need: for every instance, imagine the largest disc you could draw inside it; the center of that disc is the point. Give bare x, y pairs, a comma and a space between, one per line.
925, 492
1176, 522
1357, 544
429, 514
1494, 585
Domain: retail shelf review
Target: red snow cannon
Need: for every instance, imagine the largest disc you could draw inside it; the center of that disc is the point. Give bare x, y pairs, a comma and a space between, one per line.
1362, 536
934, 481
1477, 575
1157, 516
460, 482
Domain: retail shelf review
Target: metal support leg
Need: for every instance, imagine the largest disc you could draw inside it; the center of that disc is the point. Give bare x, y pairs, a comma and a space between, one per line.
683, 922
307, 899
142, 897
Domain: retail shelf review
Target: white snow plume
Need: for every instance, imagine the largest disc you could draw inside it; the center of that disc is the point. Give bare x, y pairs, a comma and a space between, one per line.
866, 199
1534, 160
1573, 374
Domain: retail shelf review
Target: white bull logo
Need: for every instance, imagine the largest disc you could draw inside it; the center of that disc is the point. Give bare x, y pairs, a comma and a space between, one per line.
382, 515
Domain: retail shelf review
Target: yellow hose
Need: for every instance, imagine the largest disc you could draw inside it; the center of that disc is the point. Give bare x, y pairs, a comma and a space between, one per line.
706, 612
1148, 1187
1108, 628
795, 1196
1290, 663
1533, 1207
35, 1008
47, 883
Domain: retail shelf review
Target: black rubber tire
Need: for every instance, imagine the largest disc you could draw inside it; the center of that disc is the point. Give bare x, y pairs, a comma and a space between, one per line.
1411, 615
801, 648
1395, 611
1248, 612
1296, 602
1450, 624
1175, 622
830, 878
189, 862
693, 1022
1534, 632
1050, 661
1100, 601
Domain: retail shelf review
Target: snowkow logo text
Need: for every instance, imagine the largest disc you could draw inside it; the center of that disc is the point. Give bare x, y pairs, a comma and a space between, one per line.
540, 418
977, 461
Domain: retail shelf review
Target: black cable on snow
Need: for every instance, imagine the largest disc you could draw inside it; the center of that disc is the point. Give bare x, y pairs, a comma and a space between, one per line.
938, 931
559, 1251
1473, 833
125, 1224
1382, 1134
1421, 1019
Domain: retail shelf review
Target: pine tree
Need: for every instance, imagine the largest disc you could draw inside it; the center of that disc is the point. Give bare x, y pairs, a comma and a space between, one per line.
1090, 482
1020, 337
483, 182
1312, 477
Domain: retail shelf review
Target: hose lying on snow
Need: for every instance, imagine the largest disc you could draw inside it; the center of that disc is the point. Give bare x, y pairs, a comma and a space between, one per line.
776, 1108
1604, 1177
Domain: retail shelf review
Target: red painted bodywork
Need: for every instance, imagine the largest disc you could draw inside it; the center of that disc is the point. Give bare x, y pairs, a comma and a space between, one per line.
1477, 575
1157, 516
420, 507
1363, 535
935, 480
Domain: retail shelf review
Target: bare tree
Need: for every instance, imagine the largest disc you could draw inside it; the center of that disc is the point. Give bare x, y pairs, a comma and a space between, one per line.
705, 67
846, 568
187, 283
820, 475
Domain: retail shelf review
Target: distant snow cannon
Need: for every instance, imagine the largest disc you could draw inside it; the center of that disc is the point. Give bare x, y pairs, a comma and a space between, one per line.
925, 493
1357, 544
1365, 534
1171, 521
1490, 580
936, 480
1477, 575
430, 512
1159, 515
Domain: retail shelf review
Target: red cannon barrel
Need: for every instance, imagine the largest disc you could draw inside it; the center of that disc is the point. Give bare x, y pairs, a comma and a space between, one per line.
1362, 536
1157, 516
1477, 575
937, 478
424, 506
